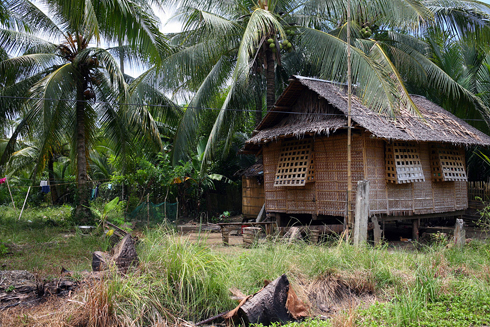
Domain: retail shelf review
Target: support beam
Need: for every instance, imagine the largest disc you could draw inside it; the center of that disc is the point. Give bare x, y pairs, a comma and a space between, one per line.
459, 234
362, 213
376, 230
415, 229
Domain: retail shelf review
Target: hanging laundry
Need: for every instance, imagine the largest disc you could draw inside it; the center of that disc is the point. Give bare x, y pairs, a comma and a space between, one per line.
95, 193
44, 187
3, 180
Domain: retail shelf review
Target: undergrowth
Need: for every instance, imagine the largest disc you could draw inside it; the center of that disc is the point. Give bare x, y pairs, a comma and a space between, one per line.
179, 279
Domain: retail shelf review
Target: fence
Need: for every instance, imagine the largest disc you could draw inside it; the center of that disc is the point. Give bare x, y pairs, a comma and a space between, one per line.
155, 213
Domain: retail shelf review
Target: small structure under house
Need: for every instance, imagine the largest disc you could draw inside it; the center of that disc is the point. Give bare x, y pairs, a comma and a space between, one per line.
253, 196
415, 166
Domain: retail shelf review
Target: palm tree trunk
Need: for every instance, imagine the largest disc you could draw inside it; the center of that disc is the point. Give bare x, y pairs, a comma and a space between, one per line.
270, 77
258, 108
82, 211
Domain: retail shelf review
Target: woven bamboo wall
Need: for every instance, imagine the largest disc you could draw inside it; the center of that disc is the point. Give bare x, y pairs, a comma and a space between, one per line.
412, 198
286, 199
331, 172
253, 197
375, 172
327, 195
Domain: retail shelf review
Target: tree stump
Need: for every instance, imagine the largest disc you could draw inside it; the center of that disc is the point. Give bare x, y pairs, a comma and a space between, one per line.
123, 255
314, 236
268, 305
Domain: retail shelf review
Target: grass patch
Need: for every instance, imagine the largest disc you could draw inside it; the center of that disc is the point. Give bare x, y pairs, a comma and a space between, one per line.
44, 240
183, 279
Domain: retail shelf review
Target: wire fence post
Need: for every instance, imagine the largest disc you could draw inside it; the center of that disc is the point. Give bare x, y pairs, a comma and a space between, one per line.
177, 212
8, 186
28, 190
148, 208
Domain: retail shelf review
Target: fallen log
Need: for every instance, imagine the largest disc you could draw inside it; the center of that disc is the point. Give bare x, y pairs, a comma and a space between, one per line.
276, 302
268, 305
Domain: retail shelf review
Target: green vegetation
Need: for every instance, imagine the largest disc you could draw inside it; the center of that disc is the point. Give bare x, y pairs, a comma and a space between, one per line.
180, 278
71, 114
178, 120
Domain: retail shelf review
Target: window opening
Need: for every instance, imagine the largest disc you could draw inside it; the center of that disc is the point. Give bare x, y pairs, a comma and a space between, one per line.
403, 163
295, 162
447, 163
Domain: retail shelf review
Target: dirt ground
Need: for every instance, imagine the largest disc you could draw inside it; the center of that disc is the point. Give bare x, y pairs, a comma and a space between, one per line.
215, 242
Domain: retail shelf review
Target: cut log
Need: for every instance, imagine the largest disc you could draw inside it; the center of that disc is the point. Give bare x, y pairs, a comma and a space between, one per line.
100, 261
124, 254
268, 305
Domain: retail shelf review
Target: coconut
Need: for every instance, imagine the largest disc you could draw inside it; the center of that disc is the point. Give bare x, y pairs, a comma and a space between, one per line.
272, 45
270, 41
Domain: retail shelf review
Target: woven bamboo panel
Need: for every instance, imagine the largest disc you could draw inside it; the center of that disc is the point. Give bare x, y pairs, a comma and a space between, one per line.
422, 192
461, 195
447, 163
311, 170
294, 163
375, 173
444, 197
253, 196
331, 172
403, 163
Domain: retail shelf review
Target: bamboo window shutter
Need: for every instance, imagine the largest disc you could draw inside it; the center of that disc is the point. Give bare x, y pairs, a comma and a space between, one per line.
447, 163
295, 166
403, 163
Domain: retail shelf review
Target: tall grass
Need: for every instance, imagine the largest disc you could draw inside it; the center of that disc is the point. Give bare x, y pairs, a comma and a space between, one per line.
181, 279
177, 278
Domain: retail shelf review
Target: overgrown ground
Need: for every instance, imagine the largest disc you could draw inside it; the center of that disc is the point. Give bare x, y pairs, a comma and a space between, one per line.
181, 280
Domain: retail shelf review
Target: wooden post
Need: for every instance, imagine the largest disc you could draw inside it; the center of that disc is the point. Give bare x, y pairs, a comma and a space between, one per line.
8, 186
376, 230
349, 126
225, 235
314, 236
261, 214
362, 213
459, 234
415, 230
148, 207
28, 190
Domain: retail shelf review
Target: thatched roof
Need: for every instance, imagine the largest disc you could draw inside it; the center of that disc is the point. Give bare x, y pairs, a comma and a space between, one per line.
328, 114
256, 169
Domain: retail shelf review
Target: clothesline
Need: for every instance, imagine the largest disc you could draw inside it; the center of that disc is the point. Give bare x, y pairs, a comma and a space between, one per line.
68, 183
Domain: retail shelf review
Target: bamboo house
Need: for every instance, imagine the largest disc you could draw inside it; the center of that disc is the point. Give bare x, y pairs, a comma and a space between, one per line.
415, 167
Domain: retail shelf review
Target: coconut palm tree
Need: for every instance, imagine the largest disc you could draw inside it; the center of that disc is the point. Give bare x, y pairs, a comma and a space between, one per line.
73, 85
243, 47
